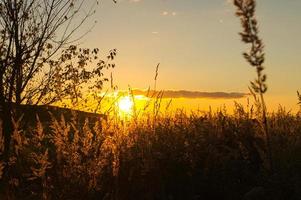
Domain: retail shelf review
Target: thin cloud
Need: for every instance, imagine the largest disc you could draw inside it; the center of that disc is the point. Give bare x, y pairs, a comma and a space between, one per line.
129, 1
191, 94
229, 2
135, 1
167, 13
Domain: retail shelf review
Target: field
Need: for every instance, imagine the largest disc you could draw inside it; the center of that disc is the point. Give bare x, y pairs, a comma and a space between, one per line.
70, 131
179, 156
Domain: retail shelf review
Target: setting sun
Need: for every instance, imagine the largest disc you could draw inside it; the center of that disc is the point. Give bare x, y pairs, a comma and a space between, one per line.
125, 105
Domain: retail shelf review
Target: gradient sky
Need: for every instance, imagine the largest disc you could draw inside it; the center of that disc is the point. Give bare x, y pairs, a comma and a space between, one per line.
197, 44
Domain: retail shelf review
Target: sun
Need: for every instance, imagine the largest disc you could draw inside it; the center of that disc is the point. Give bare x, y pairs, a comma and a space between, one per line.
125, 105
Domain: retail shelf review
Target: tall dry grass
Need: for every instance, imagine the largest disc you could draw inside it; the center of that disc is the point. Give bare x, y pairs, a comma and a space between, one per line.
255, 56
210, 155
162, 155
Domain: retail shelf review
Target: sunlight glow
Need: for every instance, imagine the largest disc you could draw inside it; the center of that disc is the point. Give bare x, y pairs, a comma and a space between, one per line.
126, 104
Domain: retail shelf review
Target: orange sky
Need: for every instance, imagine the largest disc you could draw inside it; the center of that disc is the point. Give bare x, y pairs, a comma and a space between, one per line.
197, 44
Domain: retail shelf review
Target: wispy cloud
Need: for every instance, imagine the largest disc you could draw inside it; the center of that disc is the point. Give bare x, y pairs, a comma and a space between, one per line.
229, 1
130, 1
135, 1
190, 94
169, 13
165, 13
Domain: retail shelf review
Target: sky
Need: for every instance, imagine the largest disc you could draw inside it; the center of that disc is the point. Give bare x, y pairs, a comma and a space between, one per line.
197, 45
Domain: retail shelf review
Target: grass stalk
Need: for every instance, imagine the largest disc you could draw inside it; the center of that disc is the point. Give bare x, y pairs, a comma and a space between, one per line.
255, 57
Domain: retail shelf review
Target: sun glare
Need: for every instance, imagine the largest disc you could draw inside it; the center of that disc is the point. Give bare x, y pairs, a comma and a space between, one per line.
125, 105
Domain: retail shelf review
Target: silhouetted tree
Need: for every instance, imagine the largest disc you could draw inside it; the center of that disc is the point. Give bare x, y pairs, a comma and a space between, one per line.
38, 64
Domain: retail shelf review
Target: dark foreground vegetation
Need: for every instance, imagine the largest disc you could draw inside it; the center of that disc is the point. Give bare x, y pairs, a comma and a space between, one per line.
74, 155
201, 156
